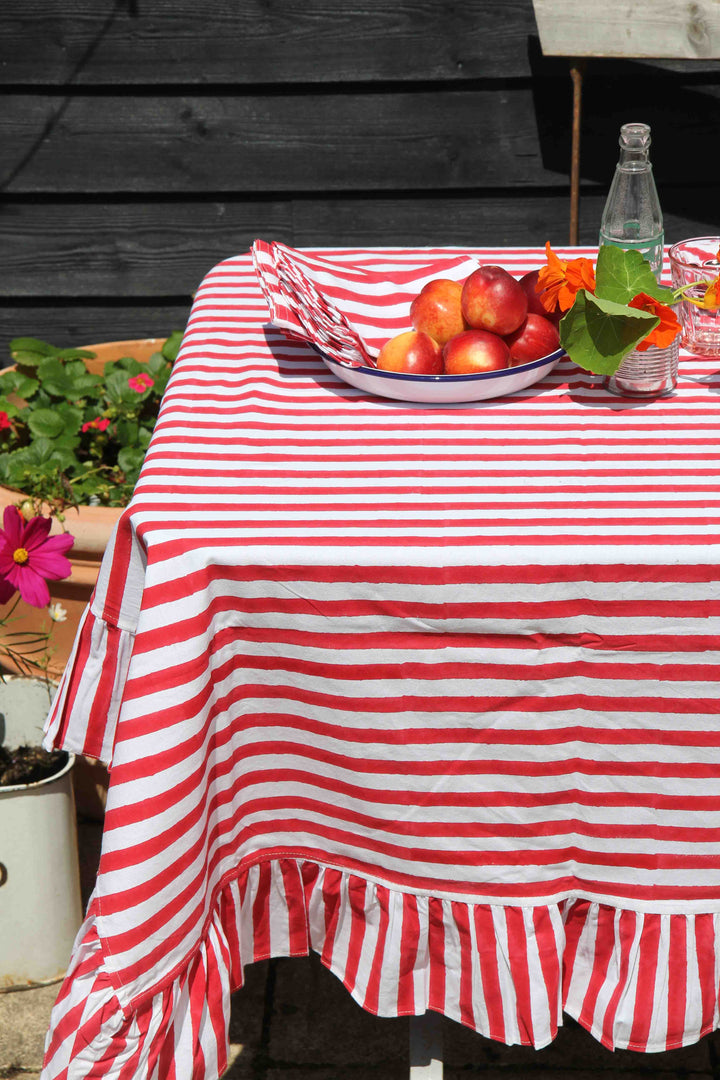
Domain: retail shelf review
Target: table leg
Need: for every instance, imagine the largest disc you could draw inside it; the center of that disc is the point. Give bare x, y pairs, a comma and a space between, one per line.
426, 1047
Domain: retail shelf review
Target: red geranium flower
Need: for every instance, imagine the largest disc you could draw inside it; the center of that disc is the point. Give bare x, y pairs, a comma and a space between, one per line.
4, 420
100, 424
29, 557
667, 329
141, 382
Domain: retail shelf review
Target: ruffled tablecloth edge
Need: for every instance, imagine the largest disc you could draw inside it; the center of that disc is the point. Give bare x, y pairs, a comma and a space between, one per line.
645, 982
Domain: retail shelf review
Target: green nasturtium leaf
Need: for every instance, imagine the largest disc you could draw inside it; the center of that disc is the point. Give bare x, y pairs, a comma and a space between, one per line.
620, 275
598, 334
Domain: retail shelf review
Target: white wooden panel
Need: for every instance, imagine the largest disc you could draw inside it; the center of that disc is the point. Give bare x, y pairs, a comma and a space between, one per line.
672, 29
426, 1047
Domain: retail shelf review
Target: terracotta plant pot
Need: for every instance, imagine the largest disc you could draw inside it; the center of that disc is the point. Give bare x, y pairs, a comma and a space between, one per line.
91, 526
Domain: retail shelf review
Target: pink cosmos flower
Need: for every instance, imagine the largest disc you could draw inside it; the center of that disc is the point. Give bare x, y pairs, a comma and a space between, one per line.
100, 424
141, 382
29, 557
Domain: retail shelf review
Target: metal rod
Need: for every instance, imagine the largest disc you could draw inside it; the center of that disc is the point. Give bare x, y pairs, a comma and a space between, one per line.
577, 69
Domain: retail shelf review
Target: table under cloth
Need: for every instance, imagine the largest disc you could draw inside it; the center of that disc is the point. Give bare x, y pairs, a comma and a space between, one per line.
430, 690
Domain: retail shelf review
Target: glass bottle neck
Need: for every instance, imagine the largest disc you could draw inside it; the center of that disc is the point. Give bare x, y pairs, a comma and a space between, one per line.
634, 159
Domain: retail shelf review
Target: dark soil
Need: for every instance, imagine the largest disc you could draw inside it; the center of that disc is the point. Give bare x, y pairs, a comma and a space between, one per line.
28, 764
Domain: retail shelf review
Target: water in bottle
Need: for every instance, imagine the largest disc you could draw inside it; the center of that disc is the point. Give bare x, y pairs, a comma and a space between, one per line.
632, 218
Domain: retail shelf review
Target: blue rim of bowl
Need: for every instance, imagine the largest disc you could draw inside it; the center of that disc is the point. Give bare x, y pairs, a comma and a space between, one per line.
482, 376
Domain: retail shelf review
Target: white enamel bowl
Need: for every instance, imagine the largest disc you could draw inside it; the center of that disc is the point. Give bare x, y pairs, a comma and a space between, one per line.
445, 389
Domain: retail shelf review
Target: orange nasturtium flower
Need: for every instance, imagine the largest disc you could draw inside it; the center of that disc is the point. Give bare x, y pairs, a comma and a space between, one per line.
666, 330
559, 282
710, 299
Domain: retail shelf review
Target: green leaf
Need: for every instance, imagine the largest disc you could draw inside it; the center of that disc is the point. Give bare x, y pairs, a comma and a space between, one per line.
157, 364
71, 417
620, 275
25, 386
47, 423
33, 345
76, 354
39, 452
130, 459
83, 385
127, 432
26, 358
172, 346
598, 334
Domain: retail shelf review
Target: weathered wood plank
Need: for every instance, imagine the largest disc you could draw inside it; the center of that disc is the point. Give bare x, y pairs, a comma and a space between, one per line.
515, 136
103, 42
123, 250
82, 323
643, 28
278, 142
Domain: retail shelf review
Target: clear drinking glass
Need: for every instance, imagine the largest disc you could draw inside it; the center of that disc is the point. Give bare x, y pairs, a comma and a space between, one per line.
691, 261
648, 374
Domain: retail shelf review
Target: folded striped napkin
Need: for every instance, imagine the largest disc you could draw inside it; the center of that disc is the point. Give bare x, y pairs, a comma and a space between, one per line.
348, 304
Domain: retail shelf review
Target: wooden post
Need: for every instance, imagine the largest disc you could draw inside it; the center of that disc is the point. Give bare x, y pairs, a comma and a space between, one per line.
577, 70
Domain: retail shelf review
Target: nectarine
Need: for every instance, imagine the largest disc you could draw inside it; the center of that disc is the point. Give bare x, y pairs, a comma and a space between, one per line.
411, 353
492, 299
537, 337
436, 310
475, 351
528, 283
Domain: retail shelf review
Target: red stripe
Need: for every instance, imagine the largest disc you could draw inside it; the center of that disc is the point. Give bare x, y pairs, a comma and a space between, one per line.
332, 880
575, 917
602, 953
626, 925
676, 989
436, 955
409, 941
296, 913
262, 942
166, 1055
216, 1010
461, 917
197, 985
356, 896
518, 957
230, 919
550, 962
486, 938
372, 994
647, 964
706, 946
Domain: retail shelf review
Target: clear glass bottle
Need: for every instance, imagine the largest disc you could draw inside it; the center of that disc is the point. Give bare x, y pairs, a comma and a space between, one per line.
632, 217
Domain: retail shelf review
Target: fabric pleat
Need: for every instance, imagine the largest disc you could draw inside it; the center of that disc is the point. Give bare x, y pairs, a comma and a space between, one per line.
635, 981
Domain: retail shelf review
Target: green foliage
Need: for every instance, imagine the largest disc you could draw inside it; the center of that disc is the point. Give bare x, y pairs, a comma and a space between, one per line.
47, 399
597, 334
600, 329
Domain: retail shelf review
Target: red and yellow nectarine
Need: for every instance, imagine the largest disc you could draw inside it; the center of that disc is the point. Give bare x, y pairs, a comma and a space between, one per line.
475, 351
492, 299
436, 310
411, 353
537, 337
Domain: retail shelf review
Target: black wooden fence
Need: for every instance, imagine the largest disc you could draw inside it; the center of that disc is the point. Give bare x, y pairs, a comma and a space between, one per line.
141, 141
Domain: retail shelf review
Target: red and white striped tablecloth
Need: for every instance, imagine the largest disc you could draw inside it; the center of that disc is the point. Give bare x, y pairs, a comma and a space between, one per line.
433, 691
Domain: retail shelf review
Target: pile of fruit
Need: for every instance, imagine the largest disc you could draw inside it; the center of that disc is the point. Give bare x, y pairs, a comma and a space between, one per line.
488, 322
